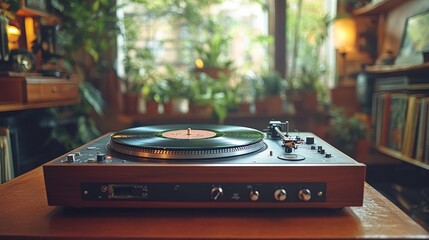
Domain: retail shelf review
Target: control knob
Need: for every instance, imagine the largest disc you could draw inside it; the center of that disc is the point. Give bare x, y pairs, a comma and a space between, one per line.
280, 195
216, 193
304, 194
254, 195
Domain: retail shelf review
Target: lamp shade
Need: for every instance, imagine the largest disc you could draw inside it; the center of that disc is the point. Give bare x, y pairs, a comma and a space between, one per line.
344, 34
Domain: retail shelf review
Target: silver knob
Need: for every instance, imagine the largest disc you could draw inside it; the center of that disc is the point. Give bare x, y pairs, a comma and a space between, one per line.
304, 194
216, 193
254, 195
280, 195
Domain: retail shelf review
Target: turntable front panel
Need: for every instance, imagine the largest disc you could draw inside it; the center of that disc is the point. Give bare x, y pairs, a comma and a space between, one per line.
100, 177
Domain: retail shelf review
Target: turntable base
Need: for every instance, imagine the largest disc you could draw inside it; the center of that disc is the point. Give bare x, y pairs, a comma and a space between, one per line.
25, 215
259, 170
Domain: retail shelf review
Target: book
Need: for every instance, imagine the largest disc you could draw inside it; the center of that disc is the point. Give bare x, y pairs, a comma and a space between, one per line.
421, 130
426, 153
411, 123
6, 161
385, 121
398, 111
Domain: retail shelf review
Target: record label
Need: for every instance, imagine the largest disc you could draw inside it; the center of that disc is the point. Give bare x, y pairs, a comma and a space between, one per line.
189, 134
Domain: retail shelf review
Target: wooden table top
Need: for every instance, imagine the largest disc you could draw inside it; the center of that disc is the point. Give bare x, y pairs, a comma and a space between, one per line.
24, 214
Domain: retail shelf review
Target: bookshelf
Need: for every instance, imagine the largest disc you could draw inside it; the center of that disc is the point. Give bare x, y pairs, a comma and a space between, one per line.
400, 113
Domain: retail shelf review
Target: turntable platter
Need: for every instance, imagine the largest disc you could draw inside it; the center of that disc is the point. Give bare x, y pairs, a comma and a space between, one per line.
171, 142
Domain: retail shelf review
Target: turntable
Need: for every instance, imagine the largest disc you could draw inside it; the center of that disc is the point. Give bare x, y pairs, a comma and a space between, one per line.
211, 166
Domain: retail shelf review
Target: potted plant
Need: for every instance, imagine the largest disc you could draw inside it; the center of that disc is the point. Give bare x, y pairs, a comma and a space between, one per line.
178, 93
212, 49
273, 88
139, 70
305, 89
246, 91
350, 134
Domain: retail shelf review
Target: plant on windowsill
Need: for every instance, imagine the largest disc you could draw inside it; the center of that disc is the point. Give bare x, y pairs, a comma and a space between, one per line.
305, 80
212, 51
273, 88
139, 71
306, 88
178, 94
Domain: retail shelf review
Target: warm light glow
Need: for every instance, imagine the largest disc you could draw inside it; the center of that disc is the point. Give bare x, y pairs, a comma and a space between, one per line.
344, 34
13, 33
29, 32
199, 63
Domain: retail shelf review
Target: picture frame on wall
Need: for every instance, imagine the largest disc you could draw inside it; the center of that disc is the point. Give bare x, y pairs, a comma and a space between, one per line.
415, 40
39, 7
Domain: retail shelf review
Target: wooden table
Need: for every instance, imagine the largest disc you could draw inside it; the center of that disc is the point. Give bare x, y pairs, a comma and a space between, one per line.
24, 213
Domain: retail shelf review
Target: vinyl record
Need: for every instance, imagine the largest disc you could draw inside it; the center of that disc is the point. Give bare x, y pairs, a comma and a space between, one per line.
187, 141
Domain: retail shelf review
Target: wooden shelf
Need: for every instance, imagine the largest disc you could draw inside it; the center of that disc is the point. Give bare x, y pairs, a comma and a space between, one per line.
395, 69
26, 106
400, 156
378, 8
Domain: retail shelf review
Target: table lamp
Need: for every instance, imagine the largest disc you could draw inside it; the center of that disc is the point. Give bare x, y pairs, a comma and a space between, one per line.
344, 41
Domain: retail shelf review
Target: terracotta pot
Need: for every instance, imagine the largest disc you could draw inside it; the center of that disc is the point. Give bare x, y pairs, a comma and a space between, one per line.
273, 104
131, 103
168, 107
361, 152
201, 109
151, 107
244, 107
214, 73
261, 106
305, 100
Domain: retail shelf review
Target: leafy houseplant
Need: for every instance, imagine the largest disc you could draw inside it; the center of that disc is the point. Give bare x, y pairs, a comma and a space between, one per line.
273, 87
178, 92
212, 50
347, 132
87, 33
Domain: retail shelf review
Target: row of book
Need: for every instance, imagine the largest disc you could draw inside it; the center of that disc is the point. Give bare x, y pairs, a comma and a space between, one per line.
400, 121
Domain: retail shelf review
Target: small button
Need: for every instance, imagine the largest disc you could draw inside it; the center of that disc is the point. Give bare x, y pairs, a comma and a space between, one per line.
309, 140
101, 157
328, 155
71, 158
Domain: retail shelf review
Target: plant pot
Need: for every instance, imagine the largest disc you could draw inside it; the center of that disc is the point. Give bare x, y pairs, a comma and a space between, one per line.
244, 107
304, 101
151, 107
168, 107
201, 109
215, 73
273, 104
361, 152
131, 103
261, 106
